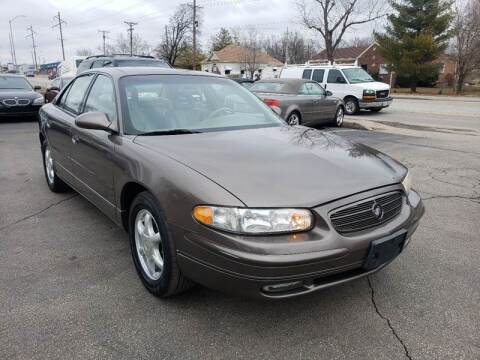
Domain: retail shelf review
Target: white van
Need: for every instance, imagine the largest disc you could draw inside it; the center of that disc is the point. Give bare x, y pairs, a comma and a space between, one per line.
348, 82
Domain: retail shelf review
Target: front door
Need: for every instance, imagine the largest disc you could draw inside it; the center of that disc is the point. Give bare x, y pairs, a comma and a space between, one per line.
92, 149
336, 83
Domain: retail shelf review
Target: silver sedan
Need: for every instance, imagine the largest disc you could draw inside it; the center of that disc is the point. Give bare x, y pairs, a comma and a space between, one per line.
300, 101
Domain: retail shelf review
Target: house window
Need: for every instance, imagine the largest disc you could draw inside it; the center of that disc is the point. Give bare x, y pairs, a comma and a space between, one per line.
441, 68
383, 70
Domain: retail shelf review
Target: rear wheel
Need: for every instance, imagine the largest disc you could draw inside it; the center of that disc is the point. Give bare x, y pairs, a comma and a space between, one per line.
294, 118
153, 249
351, 106
339, 116
53, 181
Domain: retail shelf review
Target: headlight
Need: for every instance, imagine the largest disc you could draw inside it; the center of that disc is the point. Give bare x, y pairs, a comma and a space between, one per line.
369, 93
254, 221
407, 182
39, 101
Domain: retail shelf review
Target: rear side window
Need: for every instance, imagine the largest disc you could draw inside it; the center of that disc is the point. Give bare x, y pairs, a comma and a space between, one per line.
307, 74
102, 98
335, 77
318, 75
84, 65
76, 93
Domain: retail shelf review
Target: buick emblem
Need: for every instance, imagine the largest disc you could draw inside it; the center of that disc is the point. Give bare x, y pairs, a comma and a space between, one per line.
377, 211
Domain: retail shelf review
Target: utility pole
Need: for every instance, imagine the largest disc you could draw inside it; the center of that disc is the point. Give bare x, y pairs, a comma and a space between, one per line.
130, 30
14, 56
60, 23
195, 23
104, 36
34, 47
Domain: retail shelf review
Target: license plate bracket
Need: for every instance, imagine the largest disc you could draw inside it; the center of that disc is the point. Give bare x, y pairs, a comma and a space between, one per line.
383, 250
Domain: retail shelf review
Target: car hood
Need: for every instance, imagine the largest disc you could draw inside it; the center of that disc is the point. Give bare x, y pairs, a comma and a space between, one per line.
281, 166
374, 85
21, 94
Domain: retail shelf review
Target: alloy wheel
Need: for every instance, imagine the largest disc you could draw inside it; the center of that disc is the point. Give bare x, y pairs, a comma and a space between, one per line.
293, 119
49, 166
149, 244
340, 116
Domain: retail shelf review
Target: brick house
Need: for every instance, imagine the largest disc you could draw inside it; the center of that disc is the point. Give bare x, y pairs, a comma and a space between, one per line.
370, 59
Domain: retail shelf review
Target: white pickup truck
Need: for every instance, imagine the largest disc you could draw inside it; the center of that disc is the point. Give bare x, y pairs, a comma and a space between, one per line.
348, 82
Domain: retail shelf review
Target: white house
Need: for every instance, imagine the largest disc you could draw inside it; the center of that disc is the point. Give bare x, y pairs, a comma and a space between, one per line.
237, 62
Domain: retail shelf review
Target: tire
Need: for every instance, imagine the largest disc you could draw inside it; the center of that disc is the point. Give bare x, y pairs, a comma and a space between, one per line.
54, 183
375, 110
162, 281
294, 118
351, 106
339, 115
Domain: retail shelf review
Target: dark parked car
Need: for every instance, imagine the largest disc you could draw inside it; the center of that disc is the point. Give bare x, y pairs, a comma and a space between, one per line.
214, 188
56, 85
120, 60
300, 101
18, 98
246, 83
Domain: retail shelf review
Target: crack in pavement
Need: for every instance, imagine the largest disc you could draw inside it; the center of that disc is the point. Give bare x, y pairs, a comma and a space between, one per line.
37, 213
387, 320
474, 199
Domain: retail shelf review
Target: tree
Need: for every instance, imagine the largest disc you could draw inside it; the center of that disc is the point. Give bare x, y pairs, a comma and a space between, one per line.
290, 48
177, 34
466, 41
417, 33
84, 52
251, 50
332, 18
222, 39
122, 45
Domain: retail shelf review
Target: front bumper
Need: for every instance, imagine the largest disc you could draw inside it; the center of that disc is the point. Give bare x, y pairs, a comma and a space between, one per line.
19, 111
376, 104
312, 261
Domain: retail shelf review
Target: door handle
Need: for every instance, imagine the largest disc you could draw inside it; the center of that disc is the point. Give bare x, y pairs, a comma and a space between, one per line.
75, 139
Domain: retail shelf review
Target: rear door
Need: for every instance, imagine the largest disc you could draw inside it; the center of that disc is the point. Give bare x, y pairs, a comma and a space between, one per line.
92, 149
59, 122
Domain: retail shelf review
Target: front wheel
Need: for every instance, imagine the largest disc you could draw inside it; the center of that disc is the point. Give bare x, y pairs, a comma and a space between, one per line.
351, 106
153, 249
339, 116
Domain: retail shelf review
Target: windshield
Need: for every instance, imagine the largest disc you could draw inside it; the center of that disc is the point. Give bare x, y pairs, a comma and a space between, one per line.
13, 82
146, 63
153, 103
357, 75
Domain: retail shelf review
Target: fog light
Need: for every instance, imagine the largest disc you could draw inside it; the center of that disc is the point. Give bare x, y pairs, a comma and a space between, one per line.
282, 287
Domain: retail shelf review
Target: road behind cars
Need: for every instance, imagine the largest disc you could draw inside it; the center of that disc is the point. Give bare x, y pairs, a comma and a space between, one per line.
69, 288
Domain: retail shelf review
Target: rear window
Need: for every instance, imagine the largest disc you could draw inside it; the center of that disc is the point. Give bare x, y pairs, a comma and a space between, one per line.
146, 63
267, 87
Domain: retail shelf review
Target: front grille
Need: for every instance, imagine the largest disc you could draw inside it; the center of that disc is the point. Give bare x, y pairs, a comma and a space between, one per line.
367, 213
10, 102
382, 94
23, 102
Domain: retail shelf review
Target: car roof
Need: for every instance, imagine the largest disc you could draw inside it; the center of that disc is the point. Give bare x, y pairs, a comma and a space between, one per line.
118, 72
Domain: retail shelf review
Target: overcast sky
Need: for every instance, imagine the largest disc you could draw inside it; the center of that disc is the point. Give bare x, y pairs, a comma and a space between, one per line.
85, 17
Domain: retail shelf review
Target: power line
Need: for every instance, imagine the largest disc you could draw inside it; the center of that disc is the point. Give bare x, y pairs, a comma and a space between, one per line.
60, 23
34, 46
104, 36
130, 30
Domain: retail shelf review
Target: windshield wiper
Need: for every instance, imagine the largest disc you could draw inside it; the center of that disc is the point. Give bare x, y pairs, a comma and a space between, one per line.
169, 132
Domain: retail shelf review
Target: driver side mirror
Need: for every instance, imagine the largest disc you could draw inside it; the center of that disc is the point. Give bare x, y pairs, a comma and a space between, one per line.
37, 88
328, 93
94, 120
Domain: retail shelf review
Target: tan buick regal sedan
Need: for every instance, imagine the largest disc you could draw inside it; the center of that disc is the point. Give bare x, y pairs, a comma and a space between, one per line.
214, 188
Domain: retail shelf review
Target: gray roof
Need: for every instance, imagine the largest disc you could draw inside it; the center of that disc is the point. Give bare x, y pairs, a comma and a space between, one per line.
118, 72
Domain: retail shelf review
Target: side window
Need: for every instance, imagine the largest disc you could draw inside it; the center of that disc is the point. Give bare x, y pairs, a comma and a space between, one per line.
318, 75
98, 63
335, 77
304, 89
102, 98
76, 93
307, 74
315, 89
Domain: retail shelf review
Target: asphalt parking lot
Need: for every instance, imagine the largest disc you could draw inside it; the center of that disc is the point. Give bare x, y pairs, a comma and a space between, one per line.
69, 287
